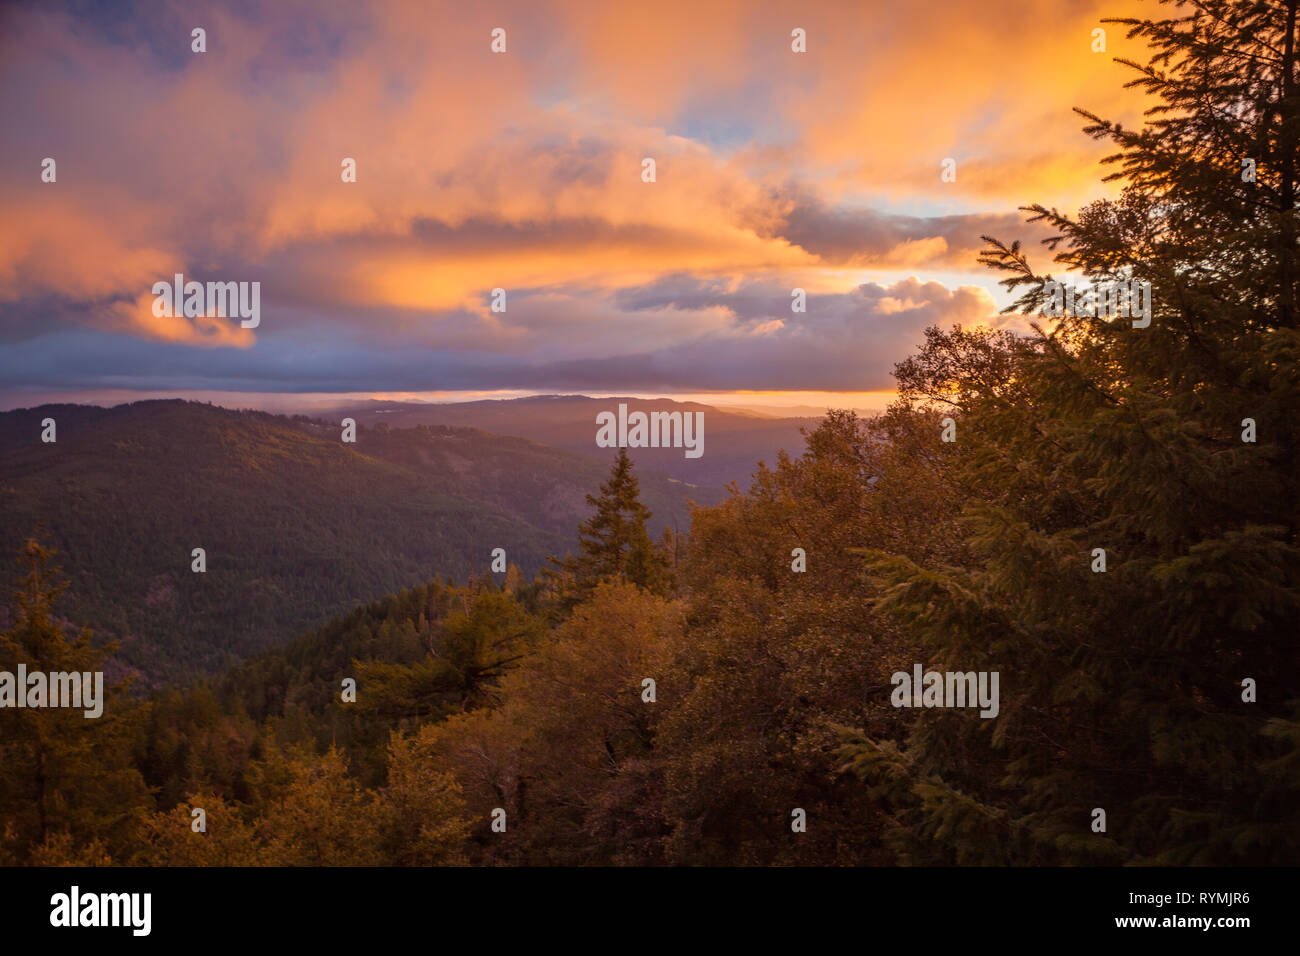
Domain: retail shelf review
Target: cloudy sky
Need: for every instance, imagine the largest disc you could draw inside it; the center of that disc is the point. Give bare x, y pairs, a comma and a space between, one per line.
523, 171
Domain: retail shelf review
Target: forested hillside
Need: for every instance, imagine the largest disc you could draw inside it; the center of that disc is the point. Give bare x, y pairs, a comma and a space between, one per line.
297, 526
733, 440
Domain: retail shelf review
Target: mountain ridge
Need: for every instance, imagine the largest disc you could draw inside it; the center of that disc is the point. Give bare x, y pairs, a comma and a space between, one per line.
297, 526
734, 441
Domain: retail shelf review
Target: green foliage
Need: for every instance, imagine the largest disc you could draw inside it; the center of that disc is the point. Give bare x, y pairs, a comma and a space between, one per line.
1122, 690
614, 543
64, 777
297, 526
568, 750
421, 814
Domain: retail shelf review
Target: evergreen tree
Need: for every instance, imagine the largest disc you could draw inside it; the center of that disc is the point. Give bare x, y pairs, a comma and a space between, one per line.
614, 543
66, 780
1123, 690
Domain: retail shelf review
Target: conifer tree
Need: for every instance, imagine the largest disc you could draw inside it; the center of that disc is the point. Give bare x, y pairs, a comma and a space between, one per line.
613, 543
65, 779
1122, 689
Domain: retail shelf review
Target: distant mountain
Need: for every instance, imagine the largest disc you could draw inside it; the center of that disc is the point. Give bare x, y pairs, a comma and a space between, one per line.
734, 440
297, 526
798, 411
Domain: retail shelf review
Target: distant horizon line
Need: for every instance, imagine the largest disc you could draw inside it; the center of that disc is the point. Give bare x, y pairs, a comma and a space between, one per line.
777, 404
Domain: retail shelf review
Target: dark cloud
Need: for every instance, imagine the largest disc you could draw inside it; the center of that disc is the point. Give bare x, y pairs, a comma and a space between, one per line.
861, 236
846, 341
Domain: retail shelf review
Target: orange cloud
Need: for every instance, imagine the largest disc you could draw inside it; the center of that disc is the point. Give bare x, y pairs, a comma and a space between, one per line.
478, 171
205, 331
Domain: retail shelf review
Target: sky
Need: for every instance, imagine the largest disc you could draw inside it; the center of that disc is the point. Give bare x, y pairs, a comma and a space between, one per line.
523, 171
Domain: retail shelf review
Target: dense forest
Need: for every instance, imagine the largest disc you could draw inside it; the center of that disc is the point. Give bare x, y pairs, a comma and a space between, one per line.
296, 525
681, 699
